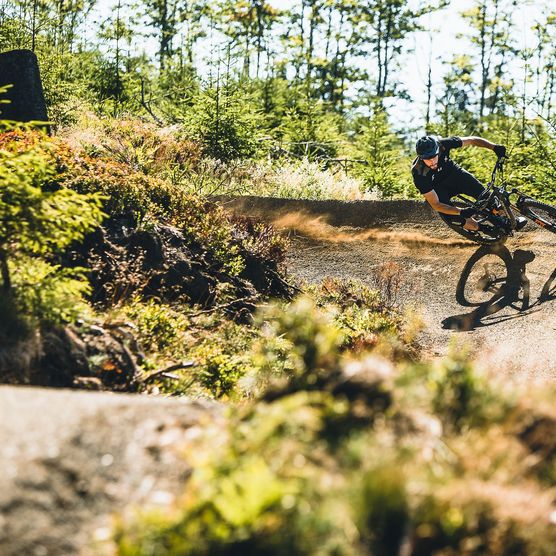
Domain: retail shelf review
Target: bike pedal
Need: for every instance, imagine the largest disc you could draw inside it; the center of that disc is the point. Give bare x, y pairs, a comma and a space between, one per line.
520, 223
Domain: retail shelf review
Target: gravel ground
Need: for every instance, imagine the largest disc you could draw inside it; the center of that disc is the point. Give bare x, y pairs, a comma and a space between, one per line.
513, 333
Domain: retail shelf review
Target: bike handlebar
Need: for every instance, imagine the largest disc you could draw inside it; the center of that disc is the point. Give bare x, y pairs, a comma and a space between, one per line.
498, 166
486, 196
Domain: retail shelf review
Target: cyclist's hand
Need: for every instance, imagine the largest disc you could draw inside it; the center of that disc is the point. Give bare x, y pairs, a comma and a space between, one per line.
499, 150
467, 212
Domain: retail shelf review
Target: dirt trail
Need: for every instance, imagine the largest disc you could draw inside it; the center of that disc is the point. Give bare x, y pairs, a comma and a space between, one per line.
502, 305
515, 332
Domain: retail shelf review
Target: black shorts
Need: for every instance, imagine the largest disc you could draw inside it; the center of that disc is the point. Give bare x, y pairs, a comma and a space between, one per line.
461, 182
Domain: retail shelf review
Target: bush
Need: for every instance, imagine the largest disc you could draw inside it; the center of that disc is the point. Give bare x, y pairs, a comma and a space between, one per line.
463, 397
144, 199
225, 122
287, 479
387, 172
37, 220
362, 314
308, 180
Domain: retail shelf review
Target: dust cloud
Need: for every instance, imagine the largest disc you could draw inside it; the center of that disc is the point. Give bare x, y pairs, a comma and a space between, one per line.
318, 229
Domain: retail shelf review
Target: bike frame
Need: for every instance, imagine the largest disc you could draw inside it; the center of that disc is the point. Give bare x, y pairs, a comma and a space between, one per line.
500, 193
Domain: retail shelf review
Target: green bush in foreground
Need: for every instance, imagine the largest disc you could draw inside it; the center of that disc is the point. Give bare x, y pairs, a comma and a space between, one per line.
358, 457
37, 220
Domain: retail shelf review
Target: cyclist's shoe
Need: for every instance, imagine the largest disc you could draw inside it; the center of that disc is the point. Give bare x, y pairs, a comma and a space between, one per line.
520, 222
501, 222
489, 230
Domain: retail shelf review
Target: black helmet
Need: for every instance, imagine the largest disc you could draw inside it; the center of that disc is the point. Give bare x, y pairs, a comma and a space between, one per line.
427, 147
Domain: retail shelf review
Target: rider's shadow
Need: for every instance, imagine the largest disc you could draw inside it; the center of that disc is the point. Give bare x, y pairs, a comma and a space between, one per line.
492, 280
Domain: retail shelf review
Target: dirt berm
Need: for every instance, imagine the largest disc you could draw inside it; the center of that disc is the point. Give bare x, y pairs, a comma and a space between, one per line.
500, 302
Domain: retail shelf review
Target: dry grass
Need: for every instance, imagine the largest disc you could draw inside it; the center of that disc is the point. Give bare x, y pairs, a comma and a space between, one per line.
307, 180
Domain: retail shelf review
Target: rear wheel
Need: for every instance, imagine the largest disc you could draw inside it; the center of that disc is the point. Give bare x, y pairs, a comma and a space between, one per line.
542, 214
488, 234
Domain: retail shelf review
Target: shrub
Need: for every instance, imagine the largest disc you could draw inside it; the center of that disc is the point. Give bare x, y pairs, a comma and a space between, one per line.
308, 131
362, 314
143, 199
159, 326
462, 397
224, 121
308, 180
287, 480
387, 172
38, 219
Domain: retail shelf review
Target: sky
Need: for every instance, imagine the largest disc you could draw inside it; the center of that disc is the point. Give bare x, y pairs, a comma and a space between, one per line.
445, 25
448, 24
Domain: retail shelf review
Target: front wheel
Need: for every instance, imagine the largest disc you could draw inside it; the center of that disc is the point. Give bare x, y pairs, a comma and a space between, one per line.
540, 213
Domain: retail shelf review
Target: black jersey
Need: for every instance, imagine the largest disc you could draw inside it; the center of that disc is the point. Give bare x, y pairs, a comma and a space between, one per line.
426, 179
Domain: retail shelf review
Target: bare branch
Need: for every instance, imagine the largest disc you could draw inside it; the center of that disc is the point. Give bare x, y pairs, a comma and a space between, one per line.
166, 373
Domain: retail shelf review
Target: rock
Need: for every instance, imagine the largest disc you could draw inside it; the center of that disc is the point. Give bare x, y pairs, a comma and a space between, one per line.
20, 69
64, 356
19, 359
89, 357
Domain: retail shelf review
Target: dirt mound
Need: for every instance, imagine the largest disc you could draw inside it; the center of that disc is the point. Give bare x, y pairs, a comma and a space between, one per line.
71, 459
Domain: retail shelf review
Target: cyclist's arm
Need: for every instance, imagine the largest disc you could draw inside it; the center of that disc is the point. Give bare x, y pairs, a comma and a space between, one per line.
434, 202
477, 142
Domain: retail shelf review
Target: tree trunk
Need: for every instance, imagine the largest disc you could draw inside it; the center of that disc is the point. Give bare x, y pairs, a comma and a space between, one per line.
5, 273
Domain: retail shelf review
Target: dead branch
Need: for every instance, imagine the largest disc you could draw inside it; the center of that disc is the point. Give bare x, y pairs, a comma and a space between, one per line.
146, 106
166, 373
223, 306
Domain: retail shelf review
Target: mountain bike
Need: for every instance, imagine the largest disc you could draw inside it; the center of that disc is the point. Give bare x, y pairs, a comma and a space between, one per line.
496, 210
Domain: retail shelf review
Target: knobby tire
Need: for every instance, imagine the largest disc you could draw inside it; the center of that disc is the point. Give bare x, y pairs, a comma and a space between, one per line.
542, 214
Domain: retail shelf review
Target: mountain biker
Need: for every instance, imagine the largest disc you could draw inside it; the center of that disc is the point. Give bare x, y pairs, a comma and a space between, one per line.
439, 178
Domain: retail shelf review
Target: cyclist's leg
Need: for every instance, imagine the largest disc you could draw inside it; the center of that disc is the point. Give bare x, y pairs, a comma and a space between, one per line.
463, 182
467, 184
445, 197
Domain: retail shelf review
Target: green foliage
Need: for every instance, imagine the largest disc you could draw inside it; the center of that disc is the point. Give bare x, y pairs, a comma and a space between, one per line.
160, 327
37, 220
258, 501
383, 512
361, 313
225, 121
143, 172
462, 397
218, 347
221, 372
387, 169
309, 130
280, 483
296, 345
49, 292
